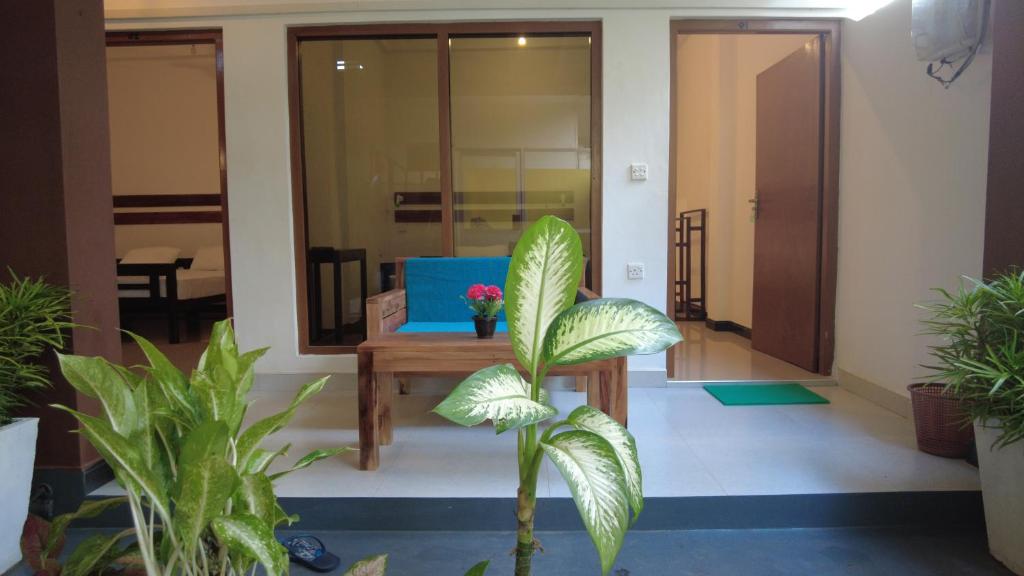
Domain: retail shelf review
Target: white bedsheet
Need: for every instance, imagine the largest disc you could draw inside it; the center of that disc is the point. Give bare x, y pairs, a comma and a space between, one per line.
191, 284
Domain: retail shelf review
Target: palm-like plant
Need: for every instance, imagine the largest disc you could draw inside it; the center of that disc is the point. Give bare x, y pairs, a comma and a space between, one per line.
981, 352
33, 318
594, 453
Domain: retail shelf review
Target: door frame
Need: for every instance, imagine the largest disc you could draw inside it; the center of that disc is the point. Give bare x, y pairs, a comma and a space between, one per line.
441, 31
213, 36
829, 32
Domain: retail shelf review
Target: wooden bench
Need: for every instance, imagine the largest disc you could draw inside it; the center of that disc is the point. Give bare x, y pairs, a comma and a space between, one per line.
387, 354
384, 356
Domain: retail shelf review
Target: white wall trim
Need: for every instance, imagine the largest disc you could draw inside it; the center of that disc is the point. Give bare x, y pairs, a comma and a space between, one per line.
875, 393
694, 8
648, 378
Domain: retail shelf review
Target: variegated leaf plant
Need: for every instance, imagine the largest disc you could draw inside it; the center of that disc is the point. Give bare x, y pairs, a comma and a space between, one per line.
197, 483
594, 453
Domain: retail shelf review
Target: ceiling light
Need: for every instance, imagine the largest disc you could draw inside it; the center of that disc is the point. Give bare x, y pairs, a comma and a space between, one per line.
521, 41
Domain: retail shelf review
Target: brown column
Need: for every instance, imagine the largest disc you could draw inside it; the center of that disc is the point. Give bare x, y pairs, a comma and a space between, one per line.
1004, 209
56, 217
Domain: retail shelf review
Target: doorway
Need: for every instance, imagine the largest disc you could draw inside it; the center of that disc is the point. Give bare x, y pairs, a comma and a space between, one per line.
166, 104
752, 206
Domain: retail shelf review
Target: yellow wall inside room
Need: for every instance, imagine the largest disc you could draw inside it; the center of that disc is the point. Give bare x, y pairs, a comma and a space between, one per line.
716, 153
164, 136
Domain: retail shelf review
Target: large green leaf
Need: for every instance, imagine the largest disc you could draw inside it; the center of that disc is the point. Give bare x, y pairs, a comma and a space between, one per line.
95, 377
255, 495
248, 536
93, 554
204, 488
171, 381
88, 509
542, 281
606, 328
479, 569
252, 436
209, 439
622, 442
497, 393
215, 393
590, 467
122, 456
372, 566
261, 459
311, 458
222, 351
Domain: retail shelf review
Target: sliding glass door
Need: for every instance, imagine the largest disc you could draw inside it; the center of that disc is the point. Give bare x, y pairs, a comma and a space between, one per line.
520, 118
432, 140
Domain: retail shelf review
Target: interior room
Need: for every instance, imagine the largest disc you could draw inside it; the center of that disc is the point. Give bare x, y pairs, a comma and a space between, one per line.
166, 158
575, 287
716, 196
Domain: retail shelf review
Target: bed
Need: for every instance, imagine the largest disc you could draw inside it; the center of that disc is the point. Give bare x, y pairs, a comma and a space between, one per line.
155, 280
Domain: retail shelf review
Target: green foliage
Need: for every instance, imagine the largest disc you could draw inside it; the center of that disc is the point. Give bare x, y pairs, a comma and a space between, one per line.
980, 355
197, 485
33, 318
596, 455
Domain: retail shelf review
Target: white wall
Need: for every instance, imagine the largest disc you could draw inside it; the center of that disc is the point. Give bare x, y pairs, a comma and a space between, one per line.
635, 122
912, 194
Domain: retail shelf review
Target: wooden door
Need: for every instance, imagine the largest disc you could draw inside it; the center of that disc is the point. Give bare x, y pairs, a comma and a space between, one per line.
787, 247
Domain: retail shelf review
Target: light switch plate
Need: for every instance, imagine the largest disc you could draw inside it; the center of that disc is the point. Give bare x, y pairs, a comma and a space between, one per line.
638, 171
635, 271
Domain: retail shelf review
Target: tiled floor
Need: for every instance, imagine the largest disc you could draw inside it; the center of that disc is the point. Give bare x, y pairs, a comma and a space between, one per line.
689, 444
708, 355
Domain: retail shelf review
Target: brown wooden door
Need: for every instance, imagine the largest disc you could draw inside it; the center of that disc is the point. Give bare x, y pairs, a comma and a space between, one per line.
787, 230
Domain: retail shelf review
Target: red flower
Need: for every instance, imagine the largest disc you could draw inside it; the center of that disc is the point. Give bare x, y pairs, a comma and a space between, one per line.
493, 293
476, 292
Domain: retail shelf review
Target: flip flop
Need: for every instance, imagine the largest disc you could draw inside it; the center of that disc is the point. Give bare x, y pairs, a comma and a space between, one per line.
310, 552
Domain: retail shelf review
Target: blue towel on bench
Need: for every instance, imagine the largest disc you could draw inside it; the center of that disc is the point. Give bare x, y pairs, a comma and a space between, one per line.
434, 286
446, 327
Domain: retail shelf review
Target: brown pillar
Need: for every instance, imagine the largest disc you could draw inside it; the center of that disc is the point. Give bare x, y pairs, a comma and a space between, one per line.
1004, 209
56, 218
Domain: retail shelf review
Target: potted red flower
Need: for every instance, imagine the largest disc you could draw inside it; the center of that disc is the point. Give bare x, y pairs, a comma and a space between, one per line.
486, 302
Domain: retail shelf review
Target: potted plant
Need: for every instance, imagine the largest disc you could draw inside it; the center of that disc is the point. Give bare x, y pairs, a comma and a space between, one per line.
981, 358
33, 315
595, 454
198, 484
485, 302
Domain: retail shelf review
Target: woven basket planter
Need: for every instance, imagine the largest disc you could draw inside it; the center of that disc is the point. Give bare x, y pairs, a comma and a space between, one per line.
940, 422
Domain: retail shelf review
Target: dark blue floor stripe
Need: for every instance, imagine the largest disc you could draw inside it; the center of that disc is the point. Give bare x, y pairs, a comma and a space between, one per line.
962, 509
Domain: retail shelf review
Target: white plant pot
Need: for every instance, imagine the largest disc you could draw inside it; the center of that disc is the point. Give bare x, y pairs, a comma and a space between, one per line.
1003, 492
17, 457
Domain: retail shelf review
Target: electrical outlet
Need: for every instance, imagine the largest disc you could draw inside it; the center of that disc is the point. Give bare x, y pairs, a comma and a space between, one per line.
638, 171
635, 271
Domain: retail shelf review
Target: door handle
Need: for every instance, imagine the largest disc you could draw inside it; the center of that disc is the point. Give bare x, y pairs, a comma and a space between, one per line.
754, 207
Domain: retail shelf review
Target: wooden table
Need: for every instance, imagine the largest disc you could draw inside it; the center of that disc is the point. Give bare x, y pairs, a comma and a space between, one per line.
456, 354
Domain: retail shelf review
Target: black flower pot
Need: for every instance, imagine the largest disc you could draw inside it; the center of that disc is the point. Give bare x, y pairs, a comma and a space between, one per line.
485, 326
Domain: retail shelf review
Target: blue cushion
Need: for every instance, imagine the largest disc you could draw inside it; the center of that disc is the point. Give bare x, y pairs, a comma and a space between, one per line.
434, 286
446, 327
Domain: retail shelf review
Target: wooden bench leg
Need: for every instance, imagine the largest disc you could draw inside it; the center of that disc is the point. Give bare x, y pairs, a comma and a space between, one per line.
619, 394
385, 390
594, 389
581, 383
369, 420
608, 390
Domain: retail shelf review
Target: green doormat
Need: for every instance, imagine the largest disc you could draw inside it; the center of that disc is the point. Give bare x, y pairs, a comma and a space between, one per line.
763, 394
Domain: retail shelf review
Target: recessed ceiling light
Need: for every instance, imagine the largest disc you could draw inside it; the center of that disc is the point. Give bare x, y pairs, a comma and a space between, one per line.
521, 41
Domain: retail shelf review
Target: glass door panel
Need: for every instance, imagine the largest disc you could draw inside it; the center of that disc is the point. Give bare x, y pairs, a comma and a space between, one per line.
371, 169
520, 130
